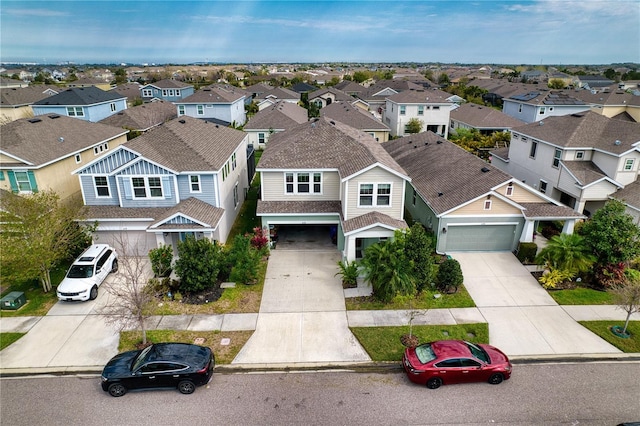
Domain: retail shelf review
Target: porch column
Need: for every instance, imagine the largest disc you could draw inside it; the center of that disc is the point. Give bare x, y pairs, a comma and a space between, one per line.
580, 206
350, 248
567, 228
527, 231
160, 239
208, 235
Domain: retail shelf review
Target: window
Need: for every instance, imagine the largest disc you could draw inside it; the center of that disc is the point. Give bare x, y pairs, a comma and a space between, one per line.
413, 200
525, 139
487, 204
260, 137
112, 105
420, 109
300, 183
375, 194
1, 175
102, 186
436, 107
403, 110
23, 182
142, 187
147, 93
519, 108
317, 183
628, 164
303, 182
448, 363
556, 158
200, 109
177, 92
194, 182
289, 183
509, 191
181, 110
139, 189
235, 195
78, 158
155, 187
543, 187
164, 92
75, 112
542, 110
579, 155
534, 148
233, 161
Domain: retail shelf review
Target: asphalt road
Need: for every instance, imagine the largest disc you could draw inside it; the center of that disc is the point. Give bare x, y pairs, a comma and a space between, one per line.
544, 394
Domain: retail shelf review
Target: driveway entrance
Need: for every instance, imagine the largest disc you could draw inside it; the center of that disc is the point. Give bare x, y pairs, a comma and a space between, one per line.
305, 237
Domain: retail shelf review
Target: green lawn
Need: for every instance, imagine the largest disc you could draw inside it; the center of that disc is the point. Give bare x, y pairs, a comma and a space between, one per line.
601, 328
38, 302
581, 296
383, 343
8, 338
424, 300
247, 219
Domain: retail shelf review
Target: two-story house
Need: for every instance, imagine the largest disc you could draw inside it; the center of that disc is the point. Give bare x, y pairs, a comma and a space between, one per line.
166, 90
323, 97
16, 102
40, 153
431, 106
186, 177
470, 205
541, 104
578, 159
220, 104
84, 103
143, 117
277, 118
358, 118
484, 119
275, 95
327, 174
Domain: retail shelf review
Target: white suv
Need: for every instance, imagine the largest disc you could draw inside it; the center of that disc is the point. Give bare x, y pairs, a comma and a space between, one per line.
87, 273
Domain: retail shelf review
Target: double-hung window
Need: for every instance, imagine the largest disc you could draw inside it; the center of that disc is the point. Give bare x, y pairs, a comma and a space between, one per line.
366, 194
420, 109
102, 186
556, 158
147, 93
181, 110
75, 112
317, 183
234, 161
112, 105
194, 182
628, 164
303, 183
260, 137
383, 194
403, 110
374, 194
200, 109
143, 186
302, 186
534, 149
23, 182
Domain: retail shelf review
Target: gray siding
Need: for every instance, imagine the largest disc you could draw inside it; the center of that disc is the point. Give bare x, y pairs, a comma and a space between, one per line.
89, 192
207, 189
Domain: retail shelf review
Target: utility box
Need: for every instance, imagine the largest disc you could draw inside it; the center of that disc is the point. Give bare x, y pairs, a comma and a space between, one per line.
12, 301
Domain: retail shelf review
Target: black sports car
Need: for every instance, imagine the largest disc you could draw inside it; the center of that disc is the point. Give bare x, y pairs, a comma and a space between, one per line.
180, 365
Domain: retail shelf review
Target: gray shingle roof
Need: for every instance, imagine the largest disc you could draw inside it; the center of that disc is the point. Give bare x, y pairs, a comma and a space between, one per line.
280, 93
548, 211
15, 97
444, 174
370, 219
188, 143
353, 116
298, 207
214, 95
282, 115
168, 84
629, 195
130, 90
338, 94
117, 212
325, 144
585, 130
483, 117
37, 140
421, 96
195, 209
81, 96
143, 117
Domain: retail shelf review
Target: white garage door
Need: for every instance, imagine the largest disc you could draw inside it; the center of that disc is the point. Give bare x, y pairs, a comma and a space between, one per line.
136, 242
480, 238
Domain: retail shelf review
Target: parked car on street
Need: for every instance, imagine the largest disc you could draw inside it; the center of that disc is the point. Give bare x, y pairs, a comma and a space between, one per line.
455, 361
162, 365
87, 272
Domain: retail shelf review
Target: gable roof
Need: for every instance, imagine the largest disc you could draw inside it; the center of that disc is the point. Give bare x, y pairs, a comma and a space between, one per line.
445, 175
586, 172
630, 195
483, 117
81, 96
339, 94
21, 96
46, 138
282, 115
188, 144
326, 144
168, 83
193, 208
585, 130
544, 96
280, 93
130, 90
350, 87
421, 96
143, 117
371, 219
352, 116
373, 91
215, 95
303, 87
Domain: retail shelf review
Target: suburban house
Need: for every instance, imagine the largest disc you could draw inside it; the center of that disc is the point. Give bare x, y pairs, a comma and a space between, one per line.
431, 106
40, 153
355, 117
579, 159
375, 96
10, 83
84, 103
540, 104
323, 97
220, 104
276, 94
16, 103
303, 88
186, 177
166, 90
611, 103
326, 174
129, 90
142, 117
350, 87
630, 196
485, 119
277, 118
89, 82
592, 81
468, 204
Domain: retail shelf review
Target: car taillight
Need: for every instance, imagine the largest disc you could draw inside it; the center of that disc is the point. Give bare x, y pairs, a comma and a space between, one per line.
204, 369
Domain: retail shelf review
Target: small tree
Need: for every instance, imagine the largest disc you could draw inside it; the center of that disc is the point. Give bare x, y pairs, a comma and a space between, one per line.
556, 83
449, 276
568, 252
418, 248
161, 259
198, 264
627, 297
349, 273
414, 125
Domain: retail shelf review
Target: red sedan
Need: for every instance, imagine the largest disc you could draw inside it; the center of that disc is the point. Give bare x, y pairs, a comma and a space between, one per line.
455, 361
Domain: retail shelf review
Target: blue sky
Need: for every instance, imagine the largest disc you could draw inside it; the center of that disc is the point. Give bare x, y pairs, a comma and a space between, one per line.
480, 31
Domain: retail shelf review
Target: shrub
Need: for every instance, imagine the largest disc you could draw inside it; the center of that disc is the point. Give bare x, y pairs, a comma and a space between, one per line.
449, 275
198, 264
161, 259
260, 239
243, 259
610, 275
349, 272
554, 277
419, 246
527, 252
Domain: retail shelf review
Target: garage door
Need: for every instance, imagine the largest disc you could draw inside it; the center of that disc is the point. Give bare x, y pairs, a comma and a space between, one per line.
480, 238
138, 243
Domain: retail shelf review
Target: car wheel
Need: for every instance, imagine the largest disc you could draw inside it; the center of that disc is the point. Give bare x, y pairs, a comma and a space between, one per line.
434, 383
186, 387
496, 379
114, 266
94, 293
117, 389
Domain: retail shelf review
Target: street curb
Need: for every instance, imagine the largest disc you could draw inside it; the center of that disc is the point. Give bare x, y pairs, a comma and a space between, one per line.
361, 367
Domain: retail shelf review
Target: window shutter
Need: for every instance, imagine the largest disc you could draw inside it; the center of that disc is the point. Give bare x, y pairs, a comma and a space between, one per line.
166, 186
1, 175
12, 181
126, 185
32, 181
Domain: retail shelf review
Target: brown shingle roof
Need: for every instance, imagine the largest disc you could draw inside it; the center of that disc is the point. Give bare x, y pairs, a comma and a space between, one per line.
370, 219
298, 207
338, 94
629, 195
117, 212
14, 97
483, 117
548, 211
325, 144
214, 95
353, 116
143, 117
195, 209
281, 116
585, 171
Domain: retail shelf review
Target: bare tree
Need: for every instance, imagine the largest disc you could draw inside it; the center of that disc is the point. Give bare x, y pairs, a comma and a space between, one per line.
627, 297
129, 306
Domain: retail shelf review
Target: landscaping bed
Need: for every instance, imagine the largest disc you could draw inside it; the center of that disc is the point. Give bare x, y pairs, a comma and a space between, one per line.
425, 300
603, 329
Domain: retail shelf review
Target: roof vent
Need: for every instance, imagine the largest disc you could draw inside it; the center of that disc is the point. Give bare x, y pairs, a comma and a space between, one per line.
541, 123
440, 194
485, 170
333, 122
54, 116
439, 142
617, 142
217, 126
415, 146
60, 139
426, 143
181, 121
34, 120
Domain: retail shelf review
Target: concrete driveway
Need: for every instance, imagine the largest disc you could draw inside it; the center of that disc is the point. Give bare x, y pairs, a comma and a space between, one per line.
523, 319
302, 316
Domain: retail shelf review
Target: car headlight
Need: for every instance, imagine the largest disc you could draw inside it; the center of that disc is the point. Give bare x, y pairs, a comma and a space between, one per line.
104, 379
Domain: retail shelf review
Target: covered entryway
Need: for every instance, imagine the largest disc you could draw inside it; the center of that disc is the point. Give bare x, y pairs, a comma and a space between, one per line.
481, 238
305, 237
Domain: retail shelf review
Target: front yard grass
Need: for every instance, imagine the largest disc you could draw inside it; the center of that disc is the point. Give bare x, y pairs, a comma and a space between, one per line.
383, 343
38, 302
581, 296
224, 354
601, 328
425, 300
8, 338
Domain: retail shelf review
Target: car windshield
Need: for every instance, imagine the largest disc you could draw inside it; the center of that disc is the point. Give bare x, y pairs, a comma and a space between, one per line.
140, 359
478, 352
80, 271
425, 353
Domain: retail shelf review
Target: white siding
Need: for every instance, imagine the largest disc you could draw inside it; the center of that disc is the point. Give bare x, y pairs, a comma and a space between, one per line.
375, 175
273, 187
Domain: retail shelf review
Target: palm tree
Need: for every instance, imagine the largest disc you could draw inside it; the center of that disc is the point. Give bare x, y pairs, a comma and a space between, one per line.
388, 270
567, 252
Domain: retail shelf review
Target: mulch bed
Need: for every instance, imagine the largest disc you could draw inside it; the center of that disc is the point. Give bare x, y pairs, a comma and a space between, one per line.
204, 296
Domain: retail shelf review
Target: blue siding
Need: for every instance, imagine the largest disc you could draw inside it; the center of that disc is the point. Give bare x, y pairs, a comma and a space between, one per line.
89, 192
157, 93
181, 220
109, 162
169, 197
207, 188
93, 113
144, 167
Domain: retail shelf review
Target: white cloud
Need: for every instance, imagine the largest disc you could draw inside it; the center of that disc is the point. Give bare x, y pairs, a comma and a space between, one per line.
35, 12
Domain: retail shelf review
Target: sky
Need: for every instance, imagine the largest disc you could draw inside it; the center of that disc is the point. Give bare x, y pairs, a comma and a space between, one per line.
557, 32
